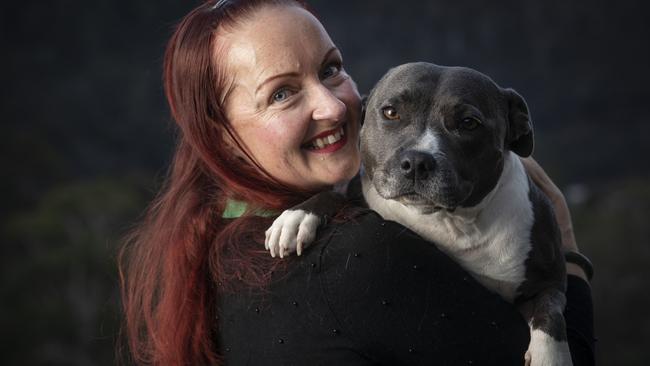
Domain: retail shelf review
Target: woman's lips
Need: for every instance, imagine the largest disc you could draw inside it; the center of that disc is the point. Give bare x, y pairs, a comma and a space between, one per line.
328, 141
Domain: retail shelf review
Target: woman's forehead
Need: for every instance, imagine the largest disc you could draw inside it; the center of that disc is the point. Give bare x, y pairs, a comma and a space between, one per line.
274, 40
277, 29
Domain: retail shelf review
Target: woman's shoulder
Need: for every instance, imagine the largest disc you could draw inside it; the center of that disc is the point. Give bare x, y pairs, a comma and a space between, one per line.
368, 254
368, 237
364, 228
371, 269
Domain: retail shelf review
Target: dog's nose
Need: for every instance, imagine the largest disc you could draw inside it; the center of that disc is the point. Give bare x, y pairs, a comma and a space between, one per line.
417, 164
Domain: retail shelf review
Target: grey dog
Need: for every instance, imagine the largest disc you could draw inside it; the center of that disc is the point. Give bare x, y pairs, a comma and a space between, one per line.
440, 151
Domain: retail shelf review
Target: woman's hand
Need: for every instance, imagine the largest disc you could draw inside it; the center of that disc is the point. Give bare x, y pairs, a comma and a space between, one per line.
562, 214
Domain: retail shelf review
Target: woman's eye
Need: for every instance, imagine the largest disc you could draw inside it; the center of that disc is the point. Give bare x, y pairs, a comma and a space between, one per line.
280, 95
330, 70
390, 113
469, 123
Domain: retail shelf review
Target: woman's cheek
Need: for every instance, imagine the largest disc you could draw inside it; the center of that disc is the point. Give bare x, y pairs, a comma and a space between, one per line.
350, 95
277, 143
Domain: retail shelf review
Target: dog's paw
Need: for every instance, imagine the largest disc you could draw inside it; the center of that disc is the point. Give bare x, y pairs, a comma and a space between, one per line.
543, 350
291, 231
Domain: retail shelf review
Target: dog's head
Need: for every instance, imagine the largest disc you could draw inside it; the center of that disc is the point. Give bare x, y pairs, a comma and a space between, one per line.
435, 137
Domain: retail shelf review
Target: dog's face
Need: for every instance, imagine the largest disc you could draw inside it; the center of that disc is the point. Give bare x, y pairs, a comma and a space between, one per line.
435, 137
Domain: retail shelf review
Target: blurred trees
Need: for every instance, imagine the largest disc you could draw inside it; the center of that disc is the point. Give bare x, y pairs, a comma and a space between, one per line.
60, 289
612, 229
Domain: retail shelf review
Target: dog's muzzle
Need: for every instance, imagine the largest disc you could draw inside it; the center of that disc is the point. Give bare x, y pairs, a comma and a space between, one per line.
423, 180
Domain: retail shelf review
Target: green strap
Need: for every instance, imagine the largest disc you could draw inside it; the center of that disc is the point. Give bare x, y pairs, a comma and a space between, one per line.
235, 209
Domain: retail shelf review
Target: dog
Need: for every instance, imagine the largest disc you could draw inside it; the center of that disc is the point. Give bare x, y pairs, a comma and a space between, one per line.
440, 151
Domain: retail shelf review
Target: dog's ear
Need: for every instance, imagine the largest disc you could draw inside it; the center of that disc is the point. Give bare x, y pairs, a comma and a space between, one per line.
364, 103
519, 136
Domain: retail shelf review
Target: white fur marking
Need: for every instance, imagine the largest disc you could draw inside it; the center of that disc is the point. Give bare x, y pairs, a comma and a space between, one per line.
543, 350
428, 143
292, 230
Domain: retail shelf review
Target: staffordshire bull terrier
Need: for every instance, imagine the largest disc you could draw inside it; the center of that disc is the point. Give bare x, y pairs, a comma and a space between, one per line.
440, 152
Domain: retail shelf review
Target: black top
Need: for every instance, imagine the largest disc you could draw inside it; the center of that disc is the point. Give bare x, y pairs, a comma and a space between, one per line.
371, 292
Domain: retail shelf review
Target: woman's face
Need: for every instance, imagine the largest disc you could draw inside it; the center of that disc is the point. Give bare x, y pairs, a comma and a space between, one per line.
288, 98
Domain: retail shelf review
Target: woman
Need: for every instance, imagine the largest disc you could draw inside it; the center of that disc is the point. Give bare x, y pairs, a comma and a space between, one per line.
268, 117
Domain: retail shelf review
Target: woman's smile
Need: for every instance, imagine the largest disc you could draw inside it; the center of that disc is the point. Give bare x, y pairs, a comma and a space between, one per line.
328, 141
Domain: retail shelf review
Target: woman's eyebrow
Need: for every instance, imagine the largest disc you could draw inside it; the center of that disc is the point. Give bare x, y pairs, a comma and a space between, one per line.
327, 55
294, 74
284, 74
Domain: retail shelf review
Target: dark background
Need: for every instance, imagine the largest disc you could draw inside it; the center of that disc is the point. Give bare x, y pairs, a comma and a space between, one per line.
86, 137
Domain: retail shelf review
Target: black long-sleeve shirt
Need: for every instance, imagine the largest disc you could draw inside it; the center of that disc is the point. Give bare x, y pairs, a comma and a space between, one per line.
371, 292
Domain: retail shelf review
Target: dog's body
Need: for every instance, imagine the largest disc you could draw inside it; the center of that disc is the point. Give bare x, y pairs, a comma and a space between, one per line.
438, 148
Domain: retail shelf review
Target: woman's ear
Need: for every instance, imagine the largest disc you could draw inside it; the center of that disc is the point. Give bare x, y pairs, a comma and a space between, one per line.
519, 135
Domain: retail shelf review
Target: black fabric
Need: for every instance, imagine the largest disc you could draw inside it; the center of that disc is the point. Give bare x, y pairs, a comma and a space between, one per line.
579, 315
371, 292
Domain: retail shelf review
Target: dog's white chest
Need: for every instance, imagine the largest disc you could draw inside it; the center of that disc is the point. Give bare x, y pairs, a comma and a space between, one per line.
490, 240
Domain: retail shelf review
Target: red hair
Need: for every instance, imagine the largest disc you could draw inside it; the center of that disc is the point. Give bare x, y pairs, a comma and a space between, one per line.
183, 253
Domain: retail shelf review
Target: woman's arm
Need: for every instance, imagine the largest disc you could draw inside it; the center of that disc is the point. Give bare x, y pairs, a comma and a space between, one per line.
579, 317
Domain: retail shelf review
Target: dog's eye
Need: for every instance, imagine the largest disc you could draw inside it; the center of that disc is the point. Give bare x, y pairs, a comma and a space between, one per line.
390, 113
469, 123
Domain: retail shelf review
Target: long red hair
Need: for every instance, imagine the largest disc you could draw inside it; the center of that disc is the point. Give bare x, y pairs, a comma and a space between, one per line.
183, 253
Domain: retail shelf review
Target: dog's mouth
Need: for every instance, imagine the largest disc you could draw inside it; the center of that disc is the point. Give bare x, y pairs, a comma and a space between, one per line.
444, 191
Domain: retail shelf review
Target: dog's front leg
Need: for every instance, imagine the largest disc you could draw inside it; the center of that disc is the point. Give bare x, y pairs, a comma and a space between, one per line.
297, 226
548, 340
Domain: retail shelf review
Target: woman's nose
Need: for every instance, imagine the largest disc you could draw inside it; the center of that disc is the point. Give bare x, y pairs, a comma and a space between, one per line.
326, 106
